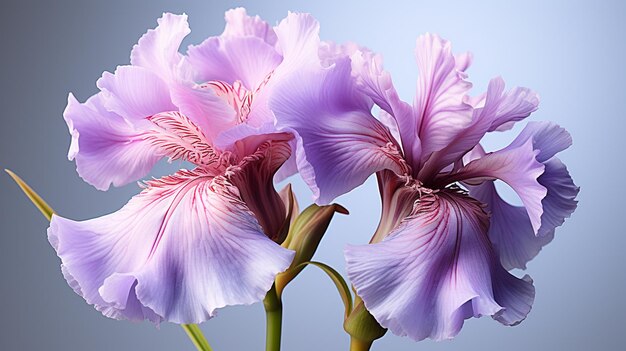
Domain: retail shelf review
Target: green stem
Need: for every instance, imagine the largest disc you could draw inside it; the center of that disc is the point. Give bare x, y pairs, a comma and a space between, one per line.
359, 345
274, 317
196, 336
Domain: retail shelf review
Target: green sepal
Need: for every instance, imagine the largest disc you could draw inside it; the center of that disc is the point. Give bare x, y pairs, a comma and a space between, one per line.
361, 325
304, 237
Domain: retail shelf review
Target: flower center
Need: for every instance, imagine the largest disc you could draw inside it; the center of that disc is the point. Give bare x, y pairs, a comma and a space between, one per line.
174, 135
236, 95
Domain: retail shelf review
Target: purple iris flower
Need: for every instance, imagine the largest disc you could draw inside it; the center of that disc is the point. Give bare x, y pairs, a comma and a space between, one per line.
199, 239
446, 240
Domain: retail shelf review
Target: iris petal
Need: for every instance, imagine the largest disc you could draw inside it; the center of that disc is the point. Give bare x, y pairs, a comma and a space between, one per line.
184, 247
441, 111
157, 50
436, 269
340, 143
107, 149
499, 108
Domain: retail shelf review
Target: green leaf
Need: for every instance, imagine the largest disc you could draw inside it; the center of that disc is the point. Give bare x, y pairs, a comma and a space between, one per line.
45, 209
340, 283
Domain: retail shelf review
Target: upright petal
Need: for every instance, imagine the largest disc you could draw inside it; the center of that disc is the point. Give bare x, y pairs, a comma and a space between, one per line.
499, 109
239, 24
108, 150
247, 59
298, 41
135, 93
184, 247
205, 108
440, 106
376, 83
157, 50
340, 143
436, 269
513, 106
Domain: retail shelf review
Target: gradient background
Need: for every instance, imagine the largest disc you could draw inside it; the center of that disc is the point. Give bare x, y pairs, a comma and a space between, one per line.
571, 52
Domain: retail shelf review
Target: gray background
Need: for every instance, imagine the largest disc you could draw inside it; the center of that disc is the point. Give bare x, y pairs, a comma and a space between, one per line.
571, 52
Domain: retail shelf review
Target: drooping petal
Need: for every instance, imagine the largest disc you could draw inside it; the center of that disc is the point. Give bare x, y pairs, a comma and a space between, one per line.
340, 143
499, 108
157, 50
135, 93
239, 24
521, 164
560, 202
184, 247
107, 149
518, 167
510, 230
547, 138
440, 106
436, 269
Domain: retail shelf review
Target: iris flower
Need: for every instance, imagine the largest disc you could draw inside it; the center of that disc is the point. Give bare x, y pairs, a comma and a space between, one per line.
446, 239
199, 239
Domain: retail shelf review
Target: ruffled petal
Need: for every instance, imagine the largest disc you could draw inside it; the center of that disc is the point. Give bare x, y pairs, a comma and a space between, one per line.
512, 106
247, 59
135, 93
548, 139
157, 50
376, 83
107, 149
436, 269
239, 24
298, 41
515, 165
340, 143
560, 202
510, 230
521, 164
498, 110
184, 247
440, 106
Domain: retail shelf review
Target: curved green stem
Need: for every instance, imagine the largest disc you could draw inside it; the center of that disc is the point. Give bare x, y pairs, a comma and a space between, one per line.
274, 317
359, 345
196, 336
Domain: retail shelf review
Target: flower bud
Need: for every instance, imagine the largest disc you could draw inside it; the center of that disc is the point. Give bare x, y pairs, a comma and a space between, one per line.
362, 326
304, 236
